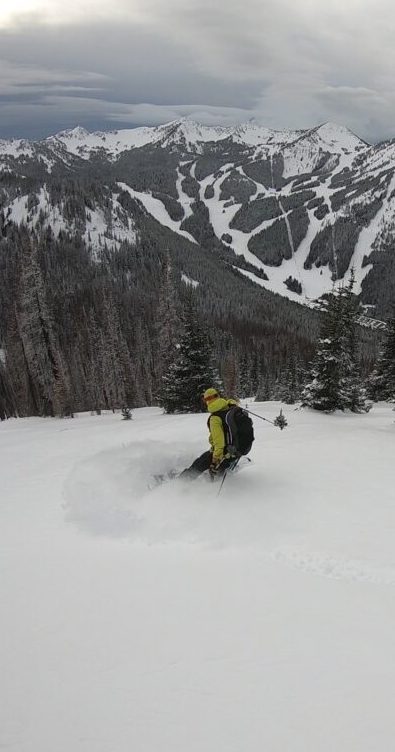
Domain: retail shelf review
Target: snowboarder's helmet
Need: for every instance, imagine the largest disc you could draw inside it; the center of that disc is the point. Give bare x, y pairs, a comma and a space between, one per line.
210, 394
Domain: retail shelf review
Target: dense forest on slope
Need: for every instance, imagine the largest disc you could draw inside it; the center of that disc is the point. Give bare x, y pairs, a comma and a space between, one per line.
82, 331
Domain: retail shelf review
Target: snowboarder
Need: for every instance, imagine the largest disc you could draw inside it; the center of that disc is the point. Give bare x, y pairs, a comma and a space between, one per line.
223, 452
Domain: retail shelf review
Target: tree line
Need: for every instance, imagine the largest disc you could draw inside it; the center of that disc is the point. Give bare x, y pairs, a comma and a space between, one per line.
83, 330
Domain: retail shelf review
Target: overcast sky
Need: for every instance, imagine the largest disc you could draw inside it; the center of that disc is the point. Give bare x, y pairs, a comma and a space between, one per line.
122, 63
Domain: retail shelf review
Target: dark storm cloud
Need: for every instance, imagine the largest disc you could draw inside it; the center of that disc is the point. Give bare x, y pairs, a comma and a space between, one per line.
118, 67
285, 63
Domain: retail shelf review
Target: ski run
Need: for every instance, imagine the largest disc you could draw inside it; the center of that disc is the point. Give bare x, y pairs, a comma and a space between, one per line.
170, 619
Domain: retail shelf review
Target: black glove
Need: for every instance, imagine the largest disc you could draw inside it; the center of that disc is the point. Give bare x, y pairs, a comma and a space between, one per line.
214, 467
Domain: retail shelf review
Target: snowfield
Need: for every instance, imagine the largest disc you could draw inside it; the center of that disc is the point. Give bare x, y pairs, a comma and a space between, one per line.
138, 618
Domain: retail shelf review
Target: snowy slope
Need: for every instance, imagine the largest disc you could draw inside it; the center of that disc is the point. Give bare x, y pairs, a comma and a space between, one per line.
15, 147
95, 226
174, 619
80, 142
157, 210
303, 154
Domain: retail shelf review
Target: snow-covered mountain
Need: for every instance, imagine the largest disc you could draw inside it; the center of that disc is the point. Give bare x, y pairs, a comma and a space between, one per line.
185, 133
302, 207
188, 134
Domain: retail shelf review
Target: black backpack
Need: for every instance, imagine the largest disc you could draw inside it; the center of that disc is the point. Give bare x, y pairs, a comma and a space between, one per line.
238, 428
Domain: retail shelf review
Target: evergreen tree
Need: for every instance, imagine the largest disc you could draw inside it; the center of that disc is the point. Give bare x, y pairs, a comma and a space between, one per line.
335, 383
7, 399
191, 372
145, 367
249, 371
382, 381
265, 391
17, 373
245, 380
231, 375
44, 360
115, 356
357, 397
168, 328
290, 391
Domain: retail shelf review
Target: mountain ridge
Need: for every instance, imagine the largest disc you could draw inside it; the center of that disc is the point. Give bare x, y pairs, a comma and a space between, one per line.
140, 136
295, 210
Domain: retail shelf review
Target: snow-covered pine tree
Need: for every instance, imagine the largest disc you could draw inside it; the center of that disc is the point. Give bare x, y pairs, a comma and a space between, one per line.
357, 396
265, 389
382, 380
245, 376
291, 382
168, 329
89, 342
117, 367
144, 368
249, 374
21, 384
114, 351
7, 403
191, 371
335, 382
230, 374
44, 360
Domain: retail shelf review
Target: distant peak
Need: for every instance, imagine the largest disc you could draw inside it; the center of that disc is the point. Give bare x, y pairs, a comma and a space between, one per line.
77, 132
334, 133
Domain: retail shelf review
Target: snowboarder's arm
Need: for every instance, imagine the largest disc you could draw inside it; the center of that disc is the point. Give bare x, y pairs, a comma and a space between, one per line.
217, 437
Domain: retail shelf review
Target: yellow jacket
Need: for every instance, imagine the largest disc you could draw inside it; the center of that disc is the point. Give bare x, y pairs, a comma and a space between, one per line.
217, 436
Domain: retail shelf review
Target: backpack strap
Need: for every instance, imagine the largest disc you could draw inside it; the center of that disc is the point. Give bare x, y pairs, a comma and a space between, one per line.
229, 427
231, 431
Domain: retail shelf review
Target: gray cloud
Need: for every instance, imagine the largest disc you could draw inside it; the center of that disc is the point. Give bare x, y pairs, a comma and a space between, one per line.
284, 63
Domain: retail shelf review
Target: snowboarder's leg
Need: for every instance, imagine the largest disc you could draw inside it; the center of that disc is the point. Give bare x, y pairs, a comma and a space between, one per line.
200, 465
